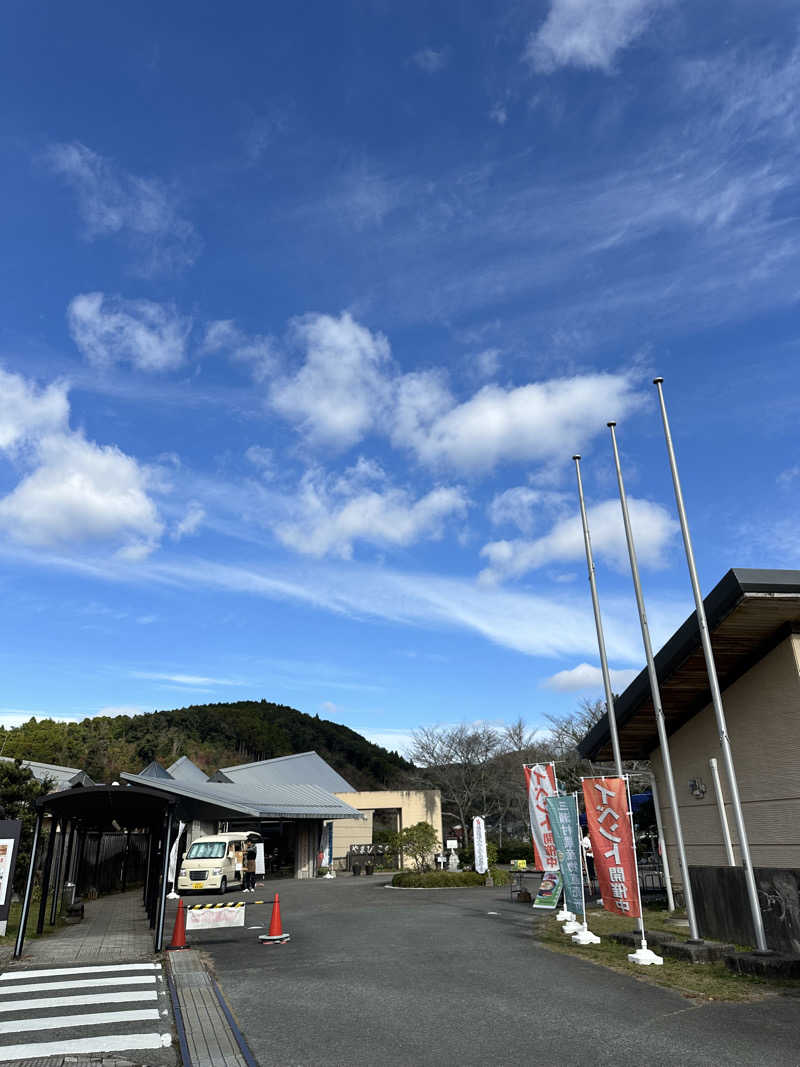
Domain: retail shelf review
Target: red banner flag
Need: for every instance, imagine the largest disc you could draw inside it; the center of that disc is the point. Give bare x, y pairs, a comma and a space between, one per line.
607, 807
540, 780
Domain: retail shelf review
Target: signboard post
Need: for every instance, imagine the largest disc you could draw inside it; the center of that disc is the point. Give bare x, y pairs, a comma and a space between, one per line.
479, 838
10, 833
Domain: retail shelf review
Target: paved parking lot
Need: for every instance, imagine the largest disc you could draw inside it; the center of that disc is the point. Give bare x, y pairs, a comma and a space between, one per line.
399, 977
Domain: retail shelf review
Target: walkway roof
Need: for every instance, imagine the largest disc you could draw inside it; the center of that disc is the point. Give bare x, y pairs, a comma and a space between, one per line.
749, 612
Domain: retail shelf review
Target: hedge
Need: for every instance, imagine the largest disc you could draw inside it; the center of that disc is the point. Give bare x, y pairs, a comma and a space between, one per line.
437, 879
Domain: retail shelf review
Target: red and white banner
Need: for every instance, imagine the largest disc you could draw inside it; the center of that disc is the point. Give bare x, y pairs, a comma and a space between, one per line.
607, 806
214, 918
540, 780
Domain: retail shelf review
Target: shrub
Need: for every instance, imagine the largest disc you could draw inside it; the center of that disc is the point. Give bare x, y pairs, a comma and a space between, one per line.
515, 850
499, 876
436, 879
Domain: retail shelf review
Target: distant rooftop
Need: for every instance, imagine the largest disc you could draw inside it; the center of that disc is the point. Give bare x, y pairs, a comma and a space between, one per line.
185, 771
306, 768
61, 777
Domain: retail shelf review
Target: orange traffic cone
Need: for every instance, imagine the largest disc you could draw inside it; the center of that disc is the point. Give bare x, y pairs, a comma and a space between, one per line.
179, 929
276, 936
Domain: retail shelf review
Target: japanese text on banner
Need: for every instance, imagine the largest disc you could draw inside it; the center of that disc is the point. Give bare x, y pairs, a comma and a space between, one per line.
607, 806
540, 780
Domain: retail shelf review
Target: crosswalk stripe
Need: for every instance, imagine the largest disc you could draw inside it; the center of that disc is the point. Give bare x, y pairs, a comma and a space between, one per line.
100, 1018
132, 996
37, 987
85, 1046
14, 976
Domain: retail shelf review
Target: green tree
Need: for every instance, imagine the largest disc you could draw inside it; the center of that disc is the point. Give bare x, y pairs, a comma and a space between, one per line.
18, 790
416, 843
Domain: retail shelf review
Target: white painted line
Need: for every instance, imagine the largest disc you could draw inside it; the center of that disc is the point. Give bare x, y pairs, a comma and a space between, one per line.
132, 996
97, 1018
85, 1046
15, 976
38, 987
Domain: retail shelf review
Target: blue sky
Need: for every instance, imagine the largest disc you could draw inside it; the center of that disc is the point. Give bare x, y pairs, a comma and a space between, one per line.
305, 311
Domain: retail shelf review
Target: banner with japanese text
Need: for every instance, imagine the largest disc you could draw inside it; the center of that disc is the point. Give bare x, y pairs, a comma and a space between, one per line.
607, 806
479, 841
563, 812
540, 781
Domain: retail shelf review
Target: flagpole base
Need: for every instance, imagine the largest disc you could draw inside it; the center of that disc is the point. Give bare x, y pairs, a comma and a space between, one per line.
585, 936
173, 896
571, 926
565, 916
645, 956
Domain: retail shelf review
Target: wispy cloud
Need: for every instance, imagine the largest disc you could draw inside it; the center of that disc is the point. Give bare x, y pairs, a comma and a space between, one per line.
431, 60
589, 34
144, 212
191, 681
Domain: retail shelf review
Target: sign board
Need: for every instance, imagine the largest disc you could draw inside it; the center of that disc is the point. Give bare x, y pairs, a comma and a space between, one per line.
368, 850
10, 831
260, 867
611, 834
452, 843
549, 891
213, 918
479, 838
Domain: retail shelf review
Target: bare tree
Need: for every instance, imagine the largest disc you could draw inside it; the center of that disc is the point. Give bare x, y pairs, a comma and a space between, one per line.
459, 762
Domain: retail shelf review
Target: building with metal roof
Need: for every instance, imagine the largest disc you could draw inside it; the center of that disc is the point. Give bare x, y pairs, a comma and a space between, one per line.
754, 626
307, 767
60, 777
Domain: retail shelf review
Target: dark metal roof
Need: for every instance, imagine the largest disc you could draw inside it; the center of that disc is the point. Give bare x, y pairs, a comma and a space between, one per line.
154, 770
749, 612
96, 806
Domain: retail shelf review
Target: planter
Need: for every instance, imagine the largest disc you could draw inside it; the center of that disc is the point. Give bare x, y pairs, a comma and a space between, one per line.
368, 869
356, 870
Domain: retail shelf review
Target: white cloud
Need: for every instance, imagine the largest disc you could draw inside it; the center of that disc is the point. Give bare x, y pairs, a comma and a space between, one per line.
257, 350
263, 459
589, 33
81, 491
399, 741
108, 330
190, 523
189, 680
340, 391
539, 422
499, 114
487, 362
328, 516
516, 506
653, 531
27, 411
431, 60
143, 211
584, 677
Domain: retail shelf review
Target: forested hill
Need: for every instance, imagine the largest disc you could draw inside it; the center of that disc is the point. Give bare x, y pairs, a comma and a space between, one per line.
212, 735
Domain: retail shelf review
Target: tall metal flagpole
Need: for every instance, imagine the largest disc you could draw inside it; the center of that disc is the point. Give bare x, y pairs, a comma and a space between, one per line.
716, 696
601, 643
656, 695
598, 622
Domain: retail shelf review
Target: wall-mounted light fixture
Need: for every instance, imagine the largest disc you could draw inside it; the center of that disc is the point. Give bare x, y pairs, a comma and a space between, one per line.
697, 788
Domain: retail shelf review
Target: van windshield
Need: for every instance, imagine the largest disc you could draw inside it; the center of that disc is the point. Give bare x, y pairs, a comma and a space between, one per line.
206, 850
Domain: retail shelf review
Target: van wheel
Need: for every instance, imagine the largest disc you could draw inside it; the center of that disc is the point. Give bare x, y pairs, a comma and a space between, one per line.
223, 886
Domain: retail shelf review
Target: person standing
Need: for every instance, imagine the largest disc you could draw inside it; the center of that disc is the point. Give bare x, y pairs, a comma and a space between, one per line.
250, 868
588, 854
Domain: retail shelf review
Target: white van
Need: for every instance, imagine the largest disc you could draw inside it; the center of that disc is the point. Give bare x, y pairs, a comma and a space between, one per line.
215, 862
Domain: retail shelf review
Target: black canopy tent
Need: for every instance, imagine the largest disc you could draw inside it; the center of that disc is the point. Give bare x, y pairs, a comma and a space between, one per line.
102, 808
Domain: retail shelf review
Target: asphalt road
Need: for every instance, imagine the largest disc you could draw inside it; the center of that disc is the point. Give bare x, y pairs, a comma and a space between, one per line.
377, 976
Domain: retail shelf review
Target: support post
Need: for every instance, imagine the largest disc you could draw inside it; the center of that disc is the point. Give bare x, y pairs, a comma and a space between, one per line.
656, 696
62, 850
723, 815
26, 902
713, 681
48, 862
662, 844
162, 892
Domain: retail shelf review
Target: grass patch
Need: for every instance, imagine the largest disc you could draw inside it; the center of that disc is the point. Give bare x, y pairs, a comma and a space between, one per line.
14, 915
437, 879
701, 981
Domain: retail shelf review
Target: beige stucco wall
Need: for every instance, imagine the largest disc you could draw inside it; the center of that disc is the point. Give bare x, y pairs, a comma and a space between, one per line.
762, 709
416, 805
